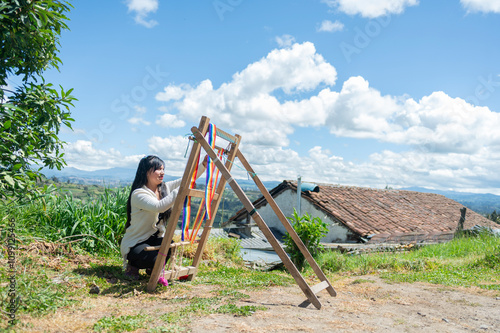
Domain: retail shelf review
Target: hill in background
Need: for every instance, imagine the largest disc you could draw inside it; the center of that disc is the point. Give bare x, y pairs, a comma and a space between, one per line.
482, 203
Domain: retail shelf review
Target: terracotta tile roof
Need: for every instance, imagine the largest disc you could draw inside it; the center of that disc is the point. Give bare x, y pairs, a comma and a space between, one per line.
367, 211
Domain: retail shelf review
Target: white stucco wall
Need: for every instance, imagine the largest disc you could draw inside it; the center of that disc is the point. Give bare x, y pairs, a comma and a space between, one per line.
287, 201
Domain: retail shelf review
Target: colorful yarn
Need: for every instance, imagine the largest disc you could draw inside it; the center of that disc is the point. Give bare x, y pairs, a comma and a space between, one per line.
186, 215
186, 209
209, 184
205, 210
200, 218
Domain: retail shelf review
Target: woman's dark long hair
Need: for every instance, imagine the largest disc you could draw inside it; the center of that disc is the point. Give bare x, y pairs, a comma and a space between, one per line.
146, 164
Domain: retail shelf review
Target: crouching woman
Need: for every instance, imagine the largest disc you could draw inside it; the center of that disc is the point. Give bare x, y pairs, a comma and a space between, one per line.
148, 197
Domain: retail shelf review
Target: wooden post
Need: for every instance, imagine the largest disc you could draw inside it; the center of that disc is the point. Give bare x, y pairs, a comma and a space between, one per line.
176, 209
460, 226
287, 225
308, 291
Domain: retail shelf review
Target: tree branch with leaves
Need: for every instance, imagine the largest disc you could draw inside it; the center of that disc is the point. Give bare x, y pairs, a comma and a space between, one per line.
32, 113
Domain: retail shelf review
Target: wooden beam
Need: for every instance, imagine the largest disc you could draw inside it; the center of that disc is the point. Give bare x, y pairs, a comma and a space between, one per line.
181, 271
200, 194
172, 245
258, 219
177, 208
286, 224
320, 286
228, 137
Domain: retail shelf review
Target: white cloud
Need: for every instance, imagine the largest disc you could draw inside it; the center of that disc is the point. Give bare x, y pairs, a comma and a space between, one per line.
447, 140
140, 109
370, 8
285, 40
138, 121
170, 120
484, 6
360, 111
329, 26
247, 104
455, 171
438, 122
172, 92
173, 150
82, 155
141, 9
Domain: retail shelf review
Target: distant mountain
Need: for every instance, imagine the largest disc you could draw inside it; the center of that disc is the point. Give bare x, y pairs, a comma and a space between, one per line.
122, 177
117, 173
107, 177
482, 203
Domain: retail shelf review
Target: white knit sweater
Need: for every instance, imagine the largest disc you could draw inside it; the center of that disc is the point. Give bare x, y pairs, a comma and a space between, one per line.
145, 207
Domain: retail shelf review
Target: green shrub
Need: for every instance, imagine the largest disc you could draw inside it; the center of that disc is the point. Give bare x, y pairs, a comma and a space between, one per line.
310, 231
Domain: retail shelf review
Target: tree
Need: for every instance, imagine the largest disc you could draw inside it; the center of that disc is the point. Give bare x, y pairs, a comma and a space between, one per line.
494, 217
31, 114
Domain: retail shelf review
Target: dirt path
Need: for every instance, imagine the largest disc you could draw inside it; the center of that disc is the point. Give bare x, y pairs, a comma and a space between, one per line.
363, 304
373, 306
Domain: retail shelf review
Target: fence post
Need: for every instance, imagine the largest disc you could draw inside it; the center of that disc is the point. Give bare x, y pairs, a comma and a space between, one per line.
460, 226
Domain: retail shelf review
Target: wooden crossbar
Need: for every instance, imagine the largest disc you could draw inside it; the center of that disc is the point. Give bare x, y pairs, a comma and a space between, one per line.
228, 137
172, 245
179, 271
200, 194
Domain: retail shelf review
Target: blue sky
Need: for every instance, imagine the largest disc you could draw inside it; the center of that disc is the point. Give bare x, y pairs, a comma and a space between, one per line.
381, 93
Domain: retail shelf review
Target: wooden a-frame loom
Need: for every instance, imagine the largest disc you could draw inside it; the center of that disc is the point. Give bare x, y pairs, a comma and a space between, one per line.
184, 191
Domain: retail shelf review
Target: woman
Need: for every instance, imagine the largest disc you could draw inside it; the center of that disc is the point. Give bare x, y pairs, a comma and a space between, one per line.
148, 197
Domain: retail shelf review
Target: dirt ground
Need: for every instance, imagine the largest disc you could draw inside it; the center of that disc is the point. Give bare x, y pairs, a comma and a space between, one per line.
373, 306
363, 304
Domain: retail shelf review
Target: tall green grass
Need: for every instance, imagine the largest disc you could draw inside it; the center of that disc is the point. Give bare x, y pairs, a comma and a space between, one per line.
96, 225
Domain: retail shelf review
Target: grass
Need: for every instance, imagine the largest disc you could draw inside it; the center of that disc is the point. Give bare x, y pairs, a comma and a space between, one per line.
465, 262
97, 225
121, 323
56, 277
235, 278
59, 277
65, 247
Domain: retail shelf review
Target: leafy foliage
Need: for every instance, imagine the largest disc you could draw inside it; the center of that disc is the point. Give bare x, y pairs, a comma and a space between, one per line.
31, 115
310, 231
495, 217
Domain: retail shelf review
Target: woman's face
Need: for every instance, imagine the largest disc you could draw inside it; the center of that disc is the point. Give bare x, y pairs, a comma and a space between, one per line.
155, 177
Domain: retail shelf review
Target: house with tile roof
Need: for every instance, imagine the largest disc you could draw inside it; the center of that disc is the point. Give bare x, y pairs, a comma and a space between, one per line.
356, 214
